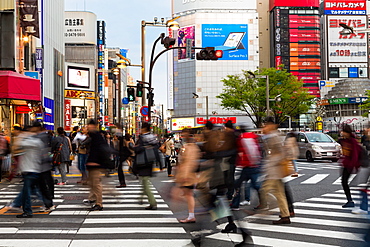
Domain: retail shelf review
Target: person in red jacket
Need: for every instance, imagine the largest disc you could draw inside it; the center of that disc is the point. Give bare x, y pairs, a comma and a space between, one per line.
350, 161
248, 163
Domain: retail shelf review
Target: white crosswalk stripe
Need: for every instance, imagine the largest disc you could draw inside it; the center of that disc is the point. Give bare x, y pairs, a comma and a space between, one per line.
318, 220
122, 222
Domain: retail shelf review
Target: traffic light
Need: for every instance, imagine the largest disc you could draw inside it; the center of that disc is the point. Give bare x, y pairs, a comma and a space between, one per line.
150, 97
139, 90
131, 94
167, 42
209, 53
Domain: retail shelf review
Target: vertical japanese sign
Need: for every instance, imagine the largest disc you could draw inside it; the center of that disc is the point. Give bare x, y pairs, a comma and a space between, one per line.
67, 115
101, 45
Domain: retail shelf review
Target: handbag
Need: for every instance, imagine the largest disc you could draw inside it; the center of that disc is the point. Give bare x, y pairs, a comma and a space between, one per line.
287, 167
57, 157
146, 157
163, 147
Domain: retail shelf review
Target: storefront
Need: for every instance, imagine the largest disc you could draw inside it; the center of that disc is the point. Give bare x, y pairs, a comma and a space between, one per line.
20, 99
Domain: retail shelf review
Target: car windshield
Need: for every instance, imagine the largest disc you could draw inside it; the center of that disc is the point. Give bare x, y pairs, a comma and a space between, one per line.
318, 137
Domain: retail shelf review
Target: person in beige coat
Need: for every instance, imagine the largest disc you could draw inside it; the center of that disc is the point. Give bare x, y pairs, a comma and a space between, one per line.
292, 150
186, 177
273, 171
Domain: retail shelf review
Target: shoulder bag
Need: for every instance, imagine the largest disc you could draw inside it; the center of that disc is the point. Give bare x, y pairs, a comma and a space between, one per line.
57, 157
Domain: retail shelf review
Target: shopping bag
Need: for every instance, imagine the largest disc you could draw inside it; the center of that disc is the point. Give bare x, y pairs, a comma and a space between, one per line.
221, 209
287, 167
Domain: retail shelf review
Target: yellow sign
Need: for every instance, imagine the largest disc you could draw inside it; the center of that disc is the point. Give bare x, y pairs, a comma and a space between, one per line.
319, 126
75, 94
319, 119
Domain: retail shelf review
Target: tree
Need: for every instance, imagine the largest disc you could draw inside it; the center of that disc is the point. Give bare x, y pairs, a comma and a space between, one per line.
247, 93
366, 105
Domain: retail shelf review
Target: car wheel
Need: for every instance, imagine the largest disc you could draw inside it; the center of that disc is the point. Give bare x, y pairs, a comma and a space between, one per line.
309, 156
334, 160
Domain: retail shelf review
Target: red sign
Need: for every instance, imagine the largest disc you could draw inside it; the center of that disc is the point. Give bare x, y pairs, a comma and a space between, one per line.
216, 120
345, 5
106, 119
67, 115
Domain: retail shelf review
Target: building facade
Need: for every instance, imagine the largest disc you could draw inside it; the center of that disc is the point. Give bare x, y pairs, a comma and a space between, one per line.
211, 24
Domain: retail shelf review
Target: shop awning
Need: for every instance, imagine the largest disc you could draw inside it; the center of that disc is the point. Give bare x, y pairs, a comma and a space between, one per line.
17, 86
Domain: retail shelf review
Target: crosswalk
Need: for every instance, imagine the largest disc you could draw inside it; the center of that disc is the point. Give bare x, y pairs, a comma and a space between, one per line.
123, 222
319, 221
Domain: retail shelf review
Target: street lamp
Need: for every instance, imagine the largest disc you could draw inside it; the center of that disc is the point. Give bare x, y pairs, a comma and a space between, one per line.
195, 96
290, 122
267, 90
83, 97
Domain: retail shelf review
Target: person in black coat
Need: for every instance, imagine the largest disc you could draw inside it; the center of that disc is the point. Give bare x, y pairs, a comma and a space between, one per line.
94, 165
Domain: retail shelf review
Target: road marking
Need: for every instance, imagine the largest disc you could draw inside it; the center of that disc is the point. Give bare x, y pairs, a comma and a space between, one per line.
343, 196
115, 212
127, 200
290, 178
317, 205
110, 206
318, 199
304, 231
315, 179
129, 220
125, 230
265, 241
130, 242
339, 180
314, 222
36, 242
47, 231
323, 213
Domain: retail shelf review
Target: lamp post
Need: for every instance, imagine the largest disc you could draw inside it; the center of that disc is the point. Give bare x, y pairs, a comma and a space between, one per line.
83, 97
195, 96
290, 122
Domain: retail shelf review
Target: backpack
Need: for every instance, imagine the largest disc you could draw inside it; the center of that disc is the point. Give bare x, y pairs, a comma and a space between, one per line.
250, 149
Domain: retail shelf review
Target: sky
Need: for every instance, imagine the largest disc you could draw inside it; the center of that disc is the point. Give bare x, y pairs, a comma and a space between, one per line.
123, 29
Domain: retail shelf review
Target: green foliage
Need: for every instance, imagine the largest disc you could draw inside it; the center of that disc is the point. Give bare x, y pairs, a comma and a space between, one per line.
245, 93
366, 105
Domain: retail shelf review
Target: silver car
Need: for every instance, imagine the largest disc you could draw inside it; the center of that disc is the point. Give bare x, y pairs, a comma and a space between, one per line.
317, 145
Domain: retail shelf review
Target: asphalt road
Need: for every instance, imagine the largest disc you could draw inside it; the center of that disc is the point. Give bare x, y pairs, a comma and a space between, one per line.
320, 220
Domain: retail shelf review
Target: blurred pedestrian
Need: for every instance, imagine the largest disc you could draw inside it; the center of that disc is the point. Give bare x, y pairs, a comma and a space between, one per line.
94, 167
186, 177
350, 161
64, 144
249, 159
273, 171
30, 167
292, 150
45, 181
169, 151
15, 151
82, 141
146, 140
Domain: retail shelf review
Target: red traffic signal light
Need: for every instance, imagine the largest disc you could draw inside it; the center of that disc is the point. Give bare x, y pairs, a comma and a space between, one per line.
168, 42
209, 53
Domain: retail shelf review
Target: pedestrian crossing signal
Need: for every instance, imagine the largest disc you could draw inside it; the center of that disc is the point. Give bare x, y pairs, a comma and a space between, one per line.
139, 90
131, 94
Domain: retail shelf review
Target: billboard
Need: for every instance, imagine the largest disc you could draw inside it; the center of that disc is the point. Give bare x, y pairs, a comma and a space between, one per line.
186, 5
346, 48
345, 7
79, 27
184, 35
231, 38
181, 123
78, 77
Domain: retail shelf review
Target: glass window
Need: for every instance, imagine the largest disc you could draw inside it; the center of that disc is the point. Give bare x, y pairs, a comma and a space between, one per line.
318, 137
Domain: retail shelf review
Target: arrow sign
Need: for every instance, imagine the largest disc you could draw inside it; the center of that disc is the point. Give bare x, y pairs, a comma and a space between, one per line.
144, 110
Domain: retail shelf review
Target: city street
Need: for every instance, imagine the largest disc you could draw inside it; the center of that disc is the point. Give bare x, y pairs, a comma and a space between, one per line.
320, 219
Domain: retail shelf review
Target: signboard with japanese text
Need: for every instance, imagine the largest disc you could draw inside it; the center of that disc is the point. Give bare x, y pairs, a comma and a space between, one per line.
67, 115
75, 94
79, 27
181, 123
48, 114
350, 48
345, 7
185, 35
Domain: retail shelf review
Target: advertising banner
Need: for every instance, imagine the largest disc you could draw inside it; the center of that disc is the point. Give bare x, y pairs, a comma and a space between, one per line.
29, 17
231, 38
345, 7
79, 27
67, 115
346, 48
181, 123
75, 94
185, 5
49, 114
184, 35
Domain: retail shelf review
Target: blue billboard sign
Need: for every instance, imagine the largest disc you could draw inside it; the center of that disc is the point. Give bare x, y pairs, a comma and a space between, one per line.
33, 74
48, 114
352, 72
231, 38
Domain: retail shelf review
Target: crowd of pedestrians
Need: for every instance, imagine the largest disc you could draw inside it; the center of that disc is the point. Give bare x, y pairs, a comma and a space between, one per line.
213, 163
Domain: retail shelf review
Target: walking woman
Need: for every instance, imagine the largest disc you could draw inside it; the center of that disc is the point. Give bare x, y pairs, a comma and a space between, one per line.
350, 161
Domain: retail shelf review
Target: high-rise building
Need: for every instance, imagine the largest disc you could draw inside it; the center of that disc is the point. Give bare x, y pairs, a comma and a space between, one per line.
296, 40
228, 25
